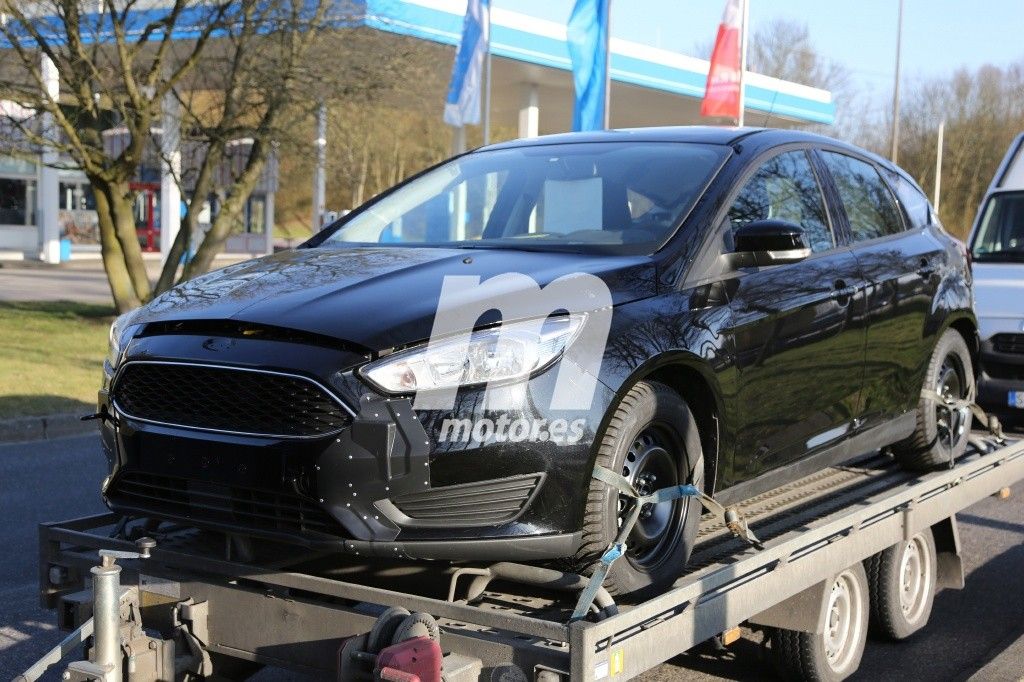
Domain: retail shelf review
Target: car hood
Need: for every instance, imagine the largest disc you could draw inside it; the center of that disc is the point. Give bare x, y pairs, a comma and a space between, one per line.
999, 297
378, 297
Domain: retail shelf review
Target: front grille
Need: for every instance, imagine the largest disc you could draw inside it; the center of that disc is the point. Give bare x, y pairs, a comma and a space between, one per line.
227, 399
485, 503
262, 510
1003, 370
1008, 343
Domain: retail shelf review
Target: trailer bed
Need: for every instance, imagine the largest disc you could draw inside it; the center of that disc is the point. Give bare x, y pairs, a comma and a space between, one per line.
292, 608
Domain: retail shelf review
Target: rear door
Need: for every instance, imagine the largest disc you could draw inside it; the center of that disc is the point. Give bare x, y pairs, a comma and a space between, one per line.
901, 260
794, 328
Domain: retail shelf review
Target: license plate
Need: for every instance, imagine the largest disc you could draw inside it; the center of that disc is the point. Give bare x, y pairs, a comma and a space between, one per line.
1016, 399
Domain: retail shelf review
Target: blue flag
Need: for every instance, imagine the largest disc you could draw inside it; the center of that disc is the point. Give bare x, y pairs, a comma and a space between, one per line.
462, 107
588, 45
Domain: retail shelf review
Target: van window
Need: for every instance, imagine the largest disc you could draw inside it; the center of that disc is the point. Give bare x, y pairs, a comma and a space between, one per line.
1000, 236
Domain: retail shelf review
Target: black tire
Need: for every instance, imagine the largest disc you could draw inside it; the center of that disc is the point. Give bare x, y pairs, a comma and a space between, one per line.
652, 433
828, 656
901, 582
939, 439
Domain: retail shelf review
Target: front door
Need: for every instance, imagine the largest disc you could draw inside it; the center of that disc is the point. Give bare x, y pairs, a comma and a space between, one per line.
796, 329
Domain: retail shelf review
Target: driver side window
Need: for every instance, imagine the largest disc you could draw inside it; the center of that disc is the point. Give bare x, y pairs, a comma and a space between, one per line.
785, 188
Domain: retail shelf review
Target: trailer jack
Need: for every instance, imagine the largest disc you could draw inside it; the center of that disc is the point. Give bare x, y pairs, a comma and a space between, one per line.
120, 648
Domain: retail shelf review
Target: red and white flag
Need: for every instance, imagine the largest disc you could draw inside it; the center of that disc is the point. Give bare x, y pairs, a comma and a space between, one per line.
722, 92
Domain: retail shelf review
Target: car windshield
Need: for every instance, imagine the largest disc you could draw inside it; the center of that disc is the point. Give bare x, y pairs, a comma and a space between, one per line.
1000, 238
607, 197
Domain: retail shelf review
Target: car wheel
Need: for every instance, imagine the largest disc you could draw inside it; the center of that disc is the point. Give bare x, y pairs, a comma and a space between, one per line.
902, 586
833, 654
652, 440
941, 434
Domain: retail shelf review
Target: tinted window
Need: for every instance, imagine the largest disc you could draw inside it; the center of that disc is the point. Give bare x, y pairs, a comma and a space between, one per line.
785, 188
915, 203
868, 202
612, 197
1000, 236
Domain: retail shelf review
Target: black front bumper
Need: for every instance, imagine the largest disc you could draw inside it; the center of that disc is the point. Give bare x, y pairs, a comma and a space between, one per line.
379, 487
1001, 373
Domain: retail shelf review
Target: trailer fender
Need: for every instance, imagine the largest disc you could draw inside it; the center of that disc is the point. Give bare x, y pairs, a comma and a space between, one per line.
949, 565
804, 611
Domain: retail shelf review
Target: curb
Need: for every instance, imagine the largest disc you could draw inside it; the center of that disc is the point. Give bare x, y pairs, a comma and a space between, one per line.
44, 428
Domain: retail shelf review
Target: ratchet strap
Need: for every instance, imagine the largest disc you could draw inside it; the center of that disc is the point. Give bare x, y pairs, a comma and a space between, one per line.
617, 548
963, 406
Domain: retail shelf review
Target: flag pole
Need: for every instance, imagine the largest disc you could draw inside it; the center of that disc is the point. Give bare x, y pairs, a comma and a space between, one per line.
607, 63
743, 60
487, 84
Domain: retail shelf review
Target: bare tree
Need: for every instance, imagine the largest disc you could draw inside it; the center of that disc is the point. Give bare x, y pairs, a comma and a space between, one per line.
116, 67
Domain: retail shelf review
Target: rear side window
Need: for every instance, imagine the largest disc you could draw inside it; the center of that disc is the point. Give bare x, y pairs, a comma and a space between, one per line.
869, 204
785, 188
914, 202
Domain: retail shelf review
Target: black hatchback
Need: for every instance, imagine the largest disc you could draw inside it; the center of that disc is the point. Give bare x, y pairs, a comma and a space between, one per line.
437, 374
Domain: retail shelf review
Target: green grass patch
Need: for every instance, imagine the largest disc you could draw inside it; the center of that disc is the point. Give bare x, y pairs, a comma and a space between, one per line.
51, 356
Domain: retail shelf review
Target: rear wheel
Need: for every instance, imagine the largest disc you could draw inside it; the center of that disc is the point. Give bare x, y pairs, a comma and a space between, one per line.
941, 433
833, 654
902, 586
651, 440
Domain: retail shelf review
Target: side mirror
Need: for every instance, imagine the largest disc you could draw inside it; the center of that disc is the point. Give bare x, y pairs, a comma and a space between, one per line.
770, 242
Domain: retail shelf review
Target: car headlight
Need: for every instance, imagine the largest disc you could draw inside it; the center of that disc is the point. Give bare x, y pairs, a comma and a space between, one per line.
506, 353
117, 339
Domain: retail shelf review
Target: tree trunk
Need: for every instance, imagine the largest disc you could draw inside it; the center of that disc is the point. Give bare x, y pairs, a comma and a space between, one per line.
230, 211
121, 288
121, 216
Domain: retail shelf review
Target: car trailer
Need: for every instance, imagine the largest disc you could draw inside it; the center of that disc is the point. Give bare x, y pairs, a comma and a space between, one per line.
184, 603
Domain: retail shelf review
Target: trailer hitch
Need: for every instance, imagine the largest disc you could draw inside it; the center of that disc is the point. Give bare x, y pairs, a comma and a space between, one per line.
733, 520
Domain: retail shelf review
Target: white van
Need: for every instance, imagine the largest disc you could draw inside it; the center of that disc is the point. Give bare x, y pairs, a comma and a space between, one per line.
997, 249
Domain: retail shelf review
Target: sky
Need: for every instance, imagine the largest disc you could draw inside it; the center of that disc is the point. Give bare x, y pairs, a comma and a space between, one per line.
938, 35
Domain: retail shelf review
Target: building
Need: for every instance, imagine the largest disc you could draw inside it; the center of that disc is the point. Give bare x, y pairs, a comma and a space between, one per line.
531, 92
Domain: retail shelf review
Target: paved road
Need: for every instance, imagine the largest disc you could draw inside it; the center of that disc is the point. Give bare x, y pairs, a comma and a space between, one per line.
83, 281
59, 479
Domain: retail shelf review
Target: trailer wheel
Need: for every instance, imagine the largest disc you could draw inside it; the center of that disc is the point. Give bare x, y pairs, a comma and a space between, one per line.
941, 434
833, 654
652, 440
902, 586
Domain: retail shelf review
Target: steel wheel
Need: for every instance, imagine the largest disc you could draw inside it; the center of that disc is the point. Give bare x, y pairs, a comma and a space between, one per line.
650, 465
844, 622
917, 578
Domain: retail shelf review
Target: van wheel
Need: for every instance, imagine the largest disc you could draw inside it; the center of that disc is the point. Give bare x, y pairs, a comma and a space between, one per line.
833, 654
902, 586
652, 440
941, 434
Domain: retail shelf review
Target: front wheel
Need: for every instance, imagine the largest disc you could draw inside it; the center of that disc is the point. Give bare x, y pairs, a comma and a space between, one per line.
652, 440
941, 433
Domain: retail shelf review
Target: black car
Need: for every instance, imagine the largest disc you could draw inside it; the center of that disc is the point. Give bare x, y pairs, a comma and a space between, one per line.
762, 304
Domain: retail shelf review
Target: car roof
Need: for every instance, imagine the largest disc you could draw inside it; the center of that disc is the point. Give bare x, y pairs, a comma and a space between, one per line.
723, 135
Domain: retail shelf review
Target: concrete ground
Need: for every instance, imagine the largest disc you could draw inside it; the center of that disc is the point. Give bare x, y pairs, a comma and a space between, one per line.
83, 281
976, 632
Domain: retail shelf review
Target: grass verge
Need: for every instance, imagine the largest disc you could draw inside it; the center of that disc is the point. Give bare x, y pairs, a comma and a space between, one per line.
51, 356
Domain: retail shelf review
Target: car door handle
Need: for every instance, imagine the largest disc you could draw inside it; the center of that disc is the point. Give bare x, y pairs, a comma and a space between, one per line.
843, 293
